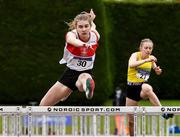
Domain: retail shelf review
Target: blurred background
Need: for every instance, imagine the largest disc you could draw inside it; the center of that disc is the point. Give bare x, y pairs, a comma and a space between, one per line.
32, 39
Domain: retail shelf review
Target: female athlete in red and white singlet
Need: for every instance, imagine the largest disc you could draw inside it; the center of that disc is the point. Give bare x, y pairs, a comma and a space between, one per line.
79, 56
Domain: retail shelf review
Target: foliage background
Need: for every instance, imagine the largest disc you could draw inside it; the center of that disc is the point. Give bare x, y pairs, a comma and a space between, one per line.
31, 45
129, 24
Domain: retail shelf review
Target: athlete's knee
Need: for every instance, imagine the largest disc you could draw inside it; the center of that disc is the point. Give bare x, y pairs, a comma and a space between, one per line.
85, 75
63, 99
77, 83
81, 76
147, 87
68, 92
42, 102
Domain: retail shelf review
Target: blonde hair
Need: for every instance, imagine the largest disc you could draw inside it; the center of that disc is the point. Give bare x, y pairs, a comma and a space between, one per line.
82, 16
144, 41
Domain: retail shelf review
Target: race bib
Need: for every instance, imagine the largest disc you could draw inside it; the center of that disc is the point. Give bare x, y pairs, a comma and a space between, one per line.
143, 74
82, 62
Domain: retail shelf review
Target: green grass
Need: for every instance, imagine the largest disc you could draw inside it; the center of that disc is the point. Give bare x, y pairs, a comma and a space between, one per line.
0, 124
147, 103
163, 102
142, 1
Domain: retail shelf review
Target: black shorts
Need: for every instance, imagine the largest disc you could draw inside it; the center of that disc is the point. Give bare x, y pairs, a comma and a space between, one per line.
70, 77
133, 92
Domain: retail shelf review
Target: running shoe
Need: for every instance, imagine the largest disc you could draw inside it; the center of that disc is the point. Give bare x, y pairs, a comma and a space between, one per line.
89, 88
167, 115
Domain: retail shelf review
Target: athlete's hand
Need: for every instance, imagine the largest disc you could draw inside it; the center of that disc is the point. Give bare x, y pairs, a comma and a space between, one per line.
158, 70
92, 15
151, 59
88, 45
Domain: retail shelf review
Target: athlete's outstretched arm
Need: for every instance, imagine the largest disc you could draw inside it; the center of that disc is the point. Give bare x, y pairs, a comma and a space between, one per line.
133, 62
71, 39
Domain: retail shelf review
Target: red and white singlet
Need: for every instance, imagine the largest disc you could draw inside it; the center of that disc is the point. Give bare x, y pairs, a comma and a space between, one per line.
80, 58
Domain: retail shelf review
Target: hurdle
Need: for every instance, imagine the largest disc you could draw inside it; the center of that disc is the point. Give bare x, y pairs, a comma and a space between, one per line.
49, 121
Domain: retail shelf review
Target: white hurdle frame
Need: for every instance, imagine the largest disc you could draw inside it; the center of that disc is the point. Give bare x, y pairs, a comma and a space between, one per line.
86, 120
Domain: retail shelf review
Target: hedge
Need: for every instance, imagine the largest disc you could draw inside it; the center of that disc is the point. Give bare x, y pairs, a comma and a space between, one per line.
31, 45
129, 24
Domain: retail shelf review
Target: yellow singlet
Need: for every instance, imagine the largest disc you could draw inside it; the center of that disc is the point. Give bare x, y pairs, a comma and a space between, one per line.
140, 73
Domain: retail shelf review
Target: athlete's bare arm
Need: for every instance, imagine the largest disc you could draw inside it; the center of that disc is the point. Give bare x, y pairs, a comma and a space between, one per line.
71, 39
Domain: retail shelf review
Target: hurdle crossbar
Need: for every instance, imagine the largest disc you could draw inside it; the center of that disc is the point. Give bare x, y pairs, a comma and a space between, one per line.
85, 120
